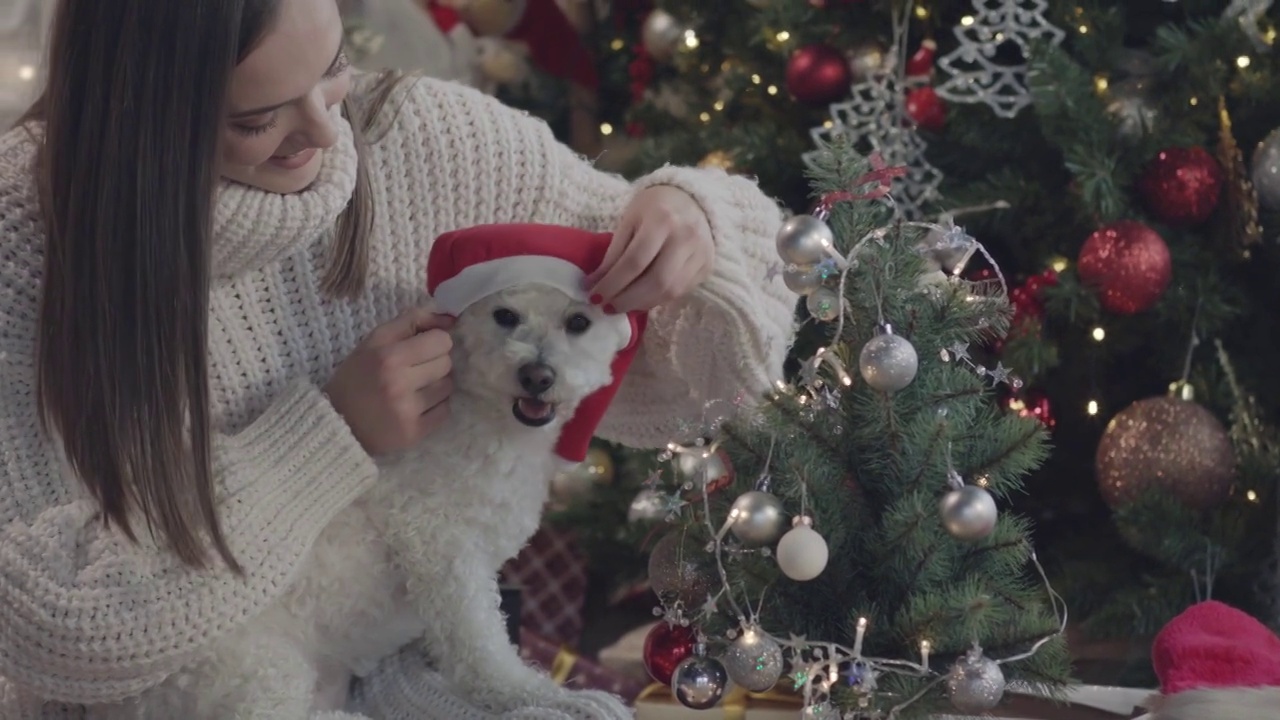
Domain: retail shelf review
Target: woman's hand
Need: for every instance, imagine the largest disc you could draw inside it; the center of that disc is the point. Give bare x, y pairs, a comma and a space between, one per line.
394, 387
661, 250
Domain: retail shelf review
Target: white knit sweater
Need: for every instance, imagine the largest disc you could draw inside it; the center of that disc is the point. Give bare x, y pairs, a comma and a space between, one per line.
85, 616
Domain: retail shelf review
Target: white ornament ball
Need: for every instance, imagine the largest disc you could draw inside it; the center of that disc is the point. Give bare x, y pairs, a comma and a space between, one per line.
888, 362
804, 240
648, 505
802, 279
969, 513
824, 304
975, 684
754, 660
757, 519
661, 34
802, 553
1266, 171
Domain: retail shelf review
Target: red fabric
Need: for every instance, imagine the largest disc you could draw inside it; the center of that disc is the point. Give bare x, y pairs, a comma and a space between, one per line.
1213, 646
551, 572
554, 43
454, 251
446, 18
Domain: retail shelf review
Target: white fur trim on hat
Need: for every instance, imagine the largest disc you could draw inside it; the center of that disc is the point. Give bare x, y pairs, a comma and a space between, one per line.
1218, 704
481, 280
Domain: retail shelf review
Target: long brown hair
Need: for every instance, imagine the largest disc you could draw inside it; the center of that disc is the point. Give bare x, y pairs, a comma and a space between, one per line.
126, 171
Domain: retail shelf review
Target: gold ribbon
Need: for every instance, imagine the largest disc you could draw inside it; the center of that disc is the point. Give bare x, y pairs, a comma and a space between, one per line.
563, 664
735, 703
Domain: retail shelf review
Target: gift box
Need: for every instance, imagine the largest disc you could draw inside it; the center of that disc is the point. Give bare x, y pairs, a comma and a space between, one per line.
551, 573
571, 670
657, 703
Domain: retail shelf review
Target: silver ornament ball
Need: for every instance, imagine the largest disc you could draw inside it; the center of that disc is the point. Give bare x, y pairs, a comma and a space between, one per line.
757, 519
975, 684
802, 279
699, 682
754, 660
824, 304
1266, 171
888, 362
1130, 103
866, 59
699, 468
969, 513
804, 240
661, 34
680, 570
802, 553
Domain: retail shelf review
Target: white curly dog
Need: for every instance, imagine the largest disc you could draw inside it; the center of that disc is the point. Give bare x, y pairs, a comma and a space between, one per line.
524, 358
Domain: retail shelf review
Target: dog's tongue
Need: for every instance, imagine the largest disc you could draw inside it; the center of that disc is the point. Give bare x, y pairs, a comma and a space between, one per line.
534, 409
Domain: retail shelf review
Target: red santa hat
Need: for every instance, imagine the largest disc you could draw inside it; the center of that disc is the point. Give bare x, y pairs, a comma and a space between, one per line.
1216, 663
468, 265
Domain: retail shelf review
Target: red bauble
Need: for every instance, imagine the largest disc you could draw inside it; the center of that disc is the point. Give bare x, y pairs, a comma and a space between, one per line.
818, 74
927, 109
665, 647
1129, 265
921, 63
1181, 185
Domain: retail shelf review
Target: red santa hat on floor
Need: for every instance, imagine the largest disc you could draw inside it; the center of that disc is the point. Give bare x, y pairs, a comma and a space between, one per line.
1216, 663
468, 265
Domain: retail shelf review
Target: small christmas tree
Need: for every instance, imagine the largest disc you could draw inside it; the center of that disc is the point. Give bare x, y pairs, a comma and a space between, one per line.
857, 545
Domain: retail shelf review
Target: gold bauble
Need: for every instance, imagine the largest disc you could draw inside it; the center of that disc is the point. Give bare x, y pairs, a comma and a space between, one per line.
1170, 445
717, 159
492, 18
579, 480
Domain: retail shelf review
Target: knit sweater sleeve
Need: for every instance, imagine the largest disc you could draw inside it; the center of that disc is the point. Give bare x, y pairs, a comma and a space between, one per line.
85, 615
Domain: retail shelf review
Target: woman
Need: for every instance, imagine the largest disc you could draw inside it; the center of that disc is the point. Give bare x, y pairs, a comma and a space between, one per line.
209, 301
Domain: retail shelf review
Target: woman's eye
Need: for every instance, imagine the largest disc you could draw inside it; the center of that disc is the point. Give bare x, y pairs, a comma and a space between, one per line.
255, 128
340, 65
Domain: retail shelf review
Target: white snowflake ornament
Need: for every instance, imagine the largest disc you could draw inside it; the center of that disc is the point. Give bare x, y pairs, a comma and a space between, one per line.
975, 74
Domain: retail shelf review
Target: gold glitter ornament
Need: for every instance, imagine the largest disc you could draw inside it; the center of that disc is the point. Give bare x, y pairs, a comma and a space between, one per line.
717, 159
1166, 444
1243, 228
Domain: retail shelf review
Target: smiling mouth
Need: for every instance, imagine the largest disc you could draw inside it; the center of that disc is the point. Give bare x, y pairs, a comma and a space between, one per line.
533, 412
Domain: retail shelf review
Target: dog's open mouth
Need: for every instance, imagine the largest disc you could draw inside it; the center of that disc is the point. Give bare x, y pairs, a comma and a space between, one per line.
533, 412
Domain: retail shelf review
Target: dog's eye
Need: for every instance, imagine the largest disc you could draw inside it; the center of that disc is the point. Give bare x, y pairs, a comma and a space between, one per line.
506, 318
577, 324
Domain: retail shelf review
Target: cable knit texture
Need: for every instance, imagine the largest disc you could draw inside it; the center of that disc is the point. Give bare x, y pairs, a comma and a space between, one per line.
89, 618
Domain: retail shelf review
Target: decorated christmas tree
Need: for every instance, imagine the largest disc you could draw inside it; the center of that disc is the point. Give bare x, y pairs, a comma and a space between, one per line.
1121, 161
863, 545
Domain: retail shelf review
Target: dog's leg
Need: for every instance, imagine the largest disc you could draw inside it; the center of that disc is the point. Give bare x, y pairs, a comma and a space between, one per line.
466, 640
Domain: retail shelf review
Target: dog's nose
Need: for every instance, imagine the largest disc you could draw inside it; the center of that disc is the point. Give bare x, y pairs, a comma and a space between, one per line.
536, 378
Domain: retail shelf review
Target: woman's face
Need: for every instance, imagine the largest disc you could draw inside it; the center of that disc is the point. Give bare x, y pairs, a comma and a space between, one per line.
278, 123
